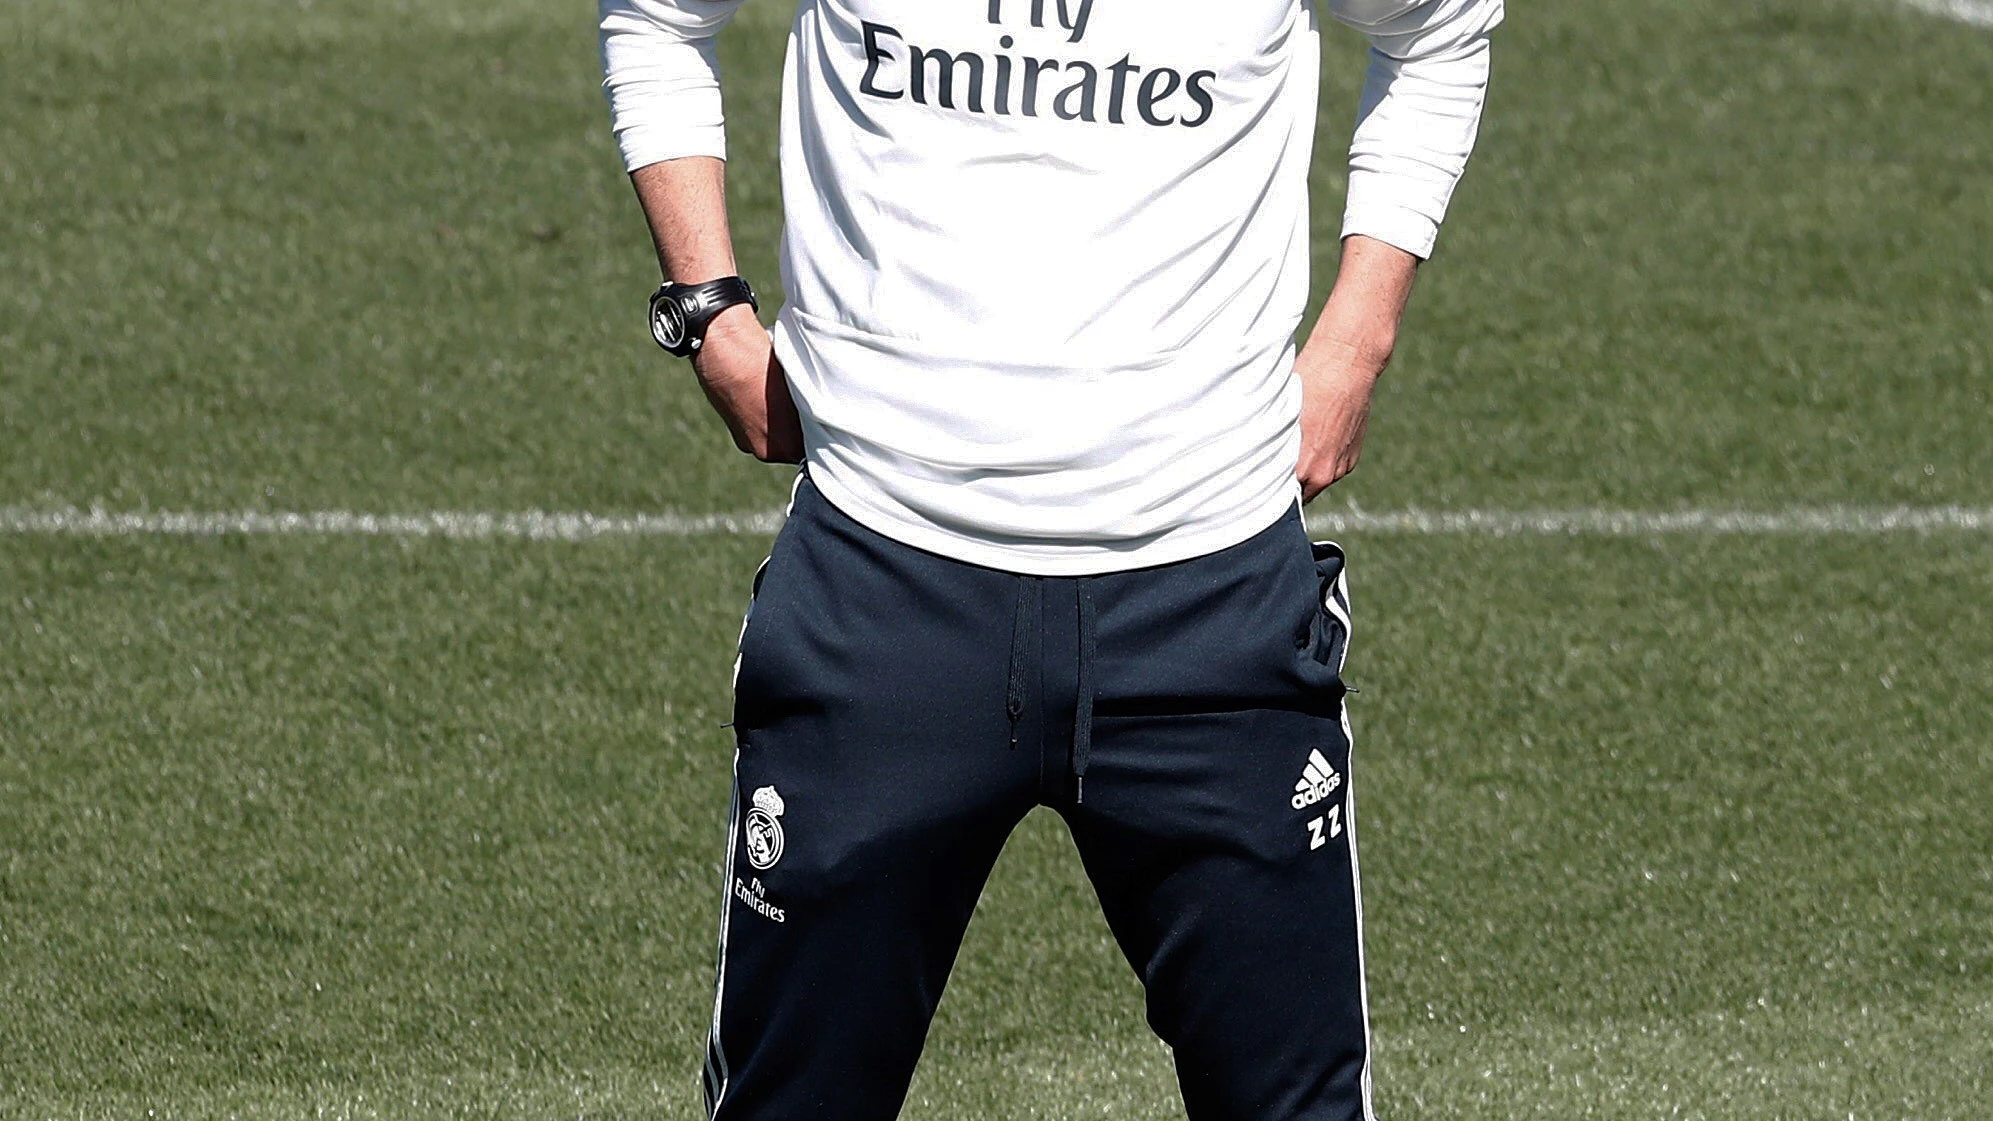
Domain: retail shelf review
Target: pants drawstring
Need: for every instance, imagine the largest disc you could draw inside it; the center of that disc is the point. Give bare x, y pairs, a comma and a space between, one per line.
1014, 698
1083, 709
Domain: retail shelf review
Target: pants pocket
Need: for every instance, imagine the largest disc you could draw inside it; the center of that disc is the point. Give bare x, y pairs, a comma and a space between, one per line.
1332, 618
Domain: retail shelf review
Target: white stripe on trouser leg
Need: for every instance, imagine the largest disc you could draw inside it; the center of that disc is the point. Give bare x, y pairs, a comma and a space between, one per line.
1356, 886
717, 1069
716, 1055
1335, 600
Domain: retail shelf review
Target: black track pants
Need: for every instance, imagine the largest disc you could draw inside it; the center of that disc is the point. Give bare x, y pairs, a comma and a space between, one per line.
898, 713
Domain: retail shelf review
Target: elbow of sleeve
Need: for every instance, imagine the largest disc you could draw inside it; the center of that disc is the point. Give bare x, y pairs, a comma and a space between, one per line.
664, 97
1433, 29
1415, 131
1380, 207
659, 117
646, 143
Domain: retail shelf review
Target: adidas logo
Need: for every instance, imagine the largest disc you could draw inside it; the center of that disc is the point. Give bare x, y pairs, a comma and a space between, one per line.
1318, 781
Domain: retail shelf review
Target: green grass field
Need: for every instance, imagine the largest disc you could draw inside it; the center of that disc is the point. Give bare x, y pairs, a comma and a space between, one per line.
1680, 826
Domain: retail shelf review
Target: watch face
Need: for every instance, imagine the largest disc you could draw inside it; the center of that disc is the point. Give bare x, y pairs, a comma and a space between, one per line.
667, 323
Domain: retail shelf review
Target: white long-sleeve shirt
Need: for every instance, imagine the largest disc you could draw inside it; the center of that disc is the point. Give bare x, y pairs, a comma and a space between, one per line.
1046, 259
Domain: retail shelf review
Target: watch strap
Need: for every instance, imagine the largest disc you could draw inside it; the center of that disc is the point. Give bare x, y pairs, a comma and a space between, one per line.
680, 313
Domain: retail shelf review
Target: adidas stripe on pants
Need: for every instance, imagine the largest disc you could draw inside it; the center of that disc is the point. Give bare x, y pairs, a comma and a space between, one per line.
898, 713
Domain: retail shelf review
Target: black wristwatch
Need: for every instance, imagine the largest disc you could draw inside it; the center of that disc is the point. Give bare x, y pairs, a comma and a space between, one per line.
680, 313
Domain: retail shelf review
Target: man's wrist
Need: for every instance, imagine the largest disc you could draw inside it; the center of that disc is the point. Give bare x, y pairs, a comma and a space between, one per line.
734, 324
734, 333
1348, 353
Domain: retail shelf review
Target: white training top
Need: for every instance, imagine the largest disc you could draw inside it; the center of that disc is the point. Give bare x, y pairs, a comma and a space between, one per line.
1046, 259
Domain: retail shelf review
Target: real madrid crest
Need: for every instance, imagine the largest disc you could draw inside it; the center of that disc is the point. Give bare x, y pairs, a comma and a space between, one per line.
764, 829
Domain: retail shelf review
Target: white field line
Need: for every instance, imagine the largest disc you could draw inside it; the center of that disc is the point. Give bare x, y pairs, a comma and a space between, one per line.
464, 525
1978, 13
1821, 520
543, 526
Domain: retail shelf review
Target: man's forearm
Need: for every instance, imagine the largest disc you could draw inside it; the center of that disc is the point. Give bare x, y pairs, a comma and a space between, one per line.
685, 202
1358, 328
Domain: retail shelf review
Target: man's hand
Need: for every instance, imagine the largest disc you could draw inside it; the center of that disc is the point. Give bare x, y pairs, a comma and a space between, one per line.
1347, 351
738, 370
1336, 382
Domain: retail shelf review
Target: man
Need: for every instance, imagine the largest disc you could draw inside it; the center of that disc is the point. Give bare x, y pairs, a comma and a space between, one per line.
1045, 261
